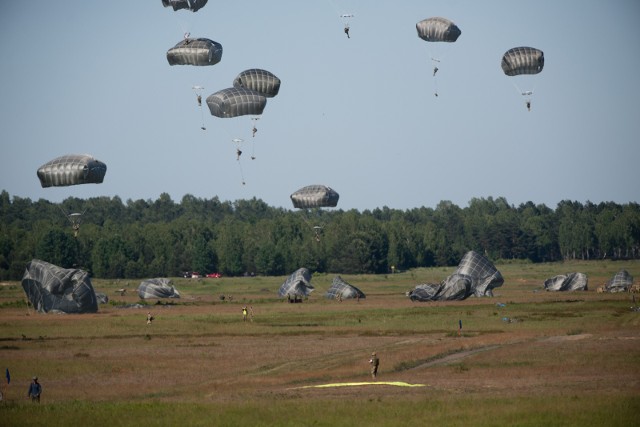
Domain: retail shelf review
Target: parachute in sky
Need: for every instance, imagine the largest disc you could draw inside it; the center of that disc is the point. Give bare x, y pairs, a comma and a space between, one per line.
438, 29
192, 5
315, 196
523, 61
72, 169
56, 289
157, 288
199, 51
621, 282
297, 285
342, 290
476, 275
567, 282
262, 81
236, 101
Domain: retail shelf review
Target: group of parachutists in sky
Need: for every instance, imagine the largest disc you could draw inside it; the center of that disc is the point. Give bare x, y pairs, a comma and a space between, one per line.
50, 287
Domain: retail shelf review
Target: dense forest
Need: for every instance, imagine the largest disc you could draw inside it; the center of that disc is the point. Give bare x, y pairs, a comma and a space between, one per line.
153, 238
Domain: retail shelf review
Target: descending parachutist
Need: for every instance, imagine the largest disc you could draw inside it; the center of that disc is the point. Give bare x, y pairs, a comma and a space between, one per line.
435, 70
238, 154
346, 31
199, 100
254, 130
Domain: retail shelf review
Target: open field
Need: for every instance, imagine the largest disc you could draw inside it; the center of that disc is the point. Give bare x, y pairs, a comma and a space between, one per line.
541, 359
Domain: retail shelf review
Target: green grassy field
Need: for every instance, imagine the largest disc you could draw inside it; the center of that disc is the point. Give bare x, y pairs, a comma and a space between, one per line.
525, 357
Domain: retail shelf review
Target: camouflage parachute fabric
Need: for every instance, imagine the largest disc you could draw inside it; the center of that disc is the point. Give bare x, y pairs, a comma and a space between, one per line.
476, 275
567, 282
157, 288
342, 290
620, 282
299, 283
50, 288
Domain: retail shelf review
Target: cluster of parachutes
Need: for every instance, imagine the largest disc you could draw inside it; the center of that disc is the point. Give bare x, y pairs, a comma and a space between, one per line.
298, 285
517, 61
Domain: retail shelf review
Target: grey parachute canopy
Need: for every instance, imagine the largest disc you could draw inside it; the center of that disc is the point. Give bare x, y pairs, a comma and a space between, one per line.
192, 5
157, 288
621, 282
71, 169
314, 196
522, 60
342, 290
476, 276
195, 52
234, 102
298, 284
262, 81
567, 282
438, 29
56, 289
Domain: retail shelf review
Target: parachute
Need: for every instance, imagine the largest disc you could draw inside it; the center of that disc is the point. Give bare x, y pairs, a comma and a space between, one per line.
522, 61
621, 282
342, 290
297, 285
195, 52
72, 169
192, 5
315, 196
438, 30
56, 289
261, 81
567, 282
234, 102
476, 275
157, 288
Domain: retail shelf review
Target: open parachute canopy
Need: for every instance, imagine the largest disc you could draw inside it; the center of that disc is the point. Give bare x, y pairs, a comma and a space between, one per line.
476, 276
315, 196
195, 52
567, 282
72, 169
192, 5
621, 282
56, 289
157, 288
298, 284
236, 101
522, 60
342, 290
261, 81
438, 30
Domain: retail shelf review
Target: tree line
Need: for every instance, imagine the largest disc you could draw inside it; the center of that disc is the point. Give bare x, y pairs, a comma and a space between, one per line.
163, 238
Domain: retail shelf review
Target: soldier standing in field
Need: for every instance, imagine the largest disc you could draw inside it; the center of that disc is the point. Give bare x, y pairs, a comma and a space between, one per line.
374, 362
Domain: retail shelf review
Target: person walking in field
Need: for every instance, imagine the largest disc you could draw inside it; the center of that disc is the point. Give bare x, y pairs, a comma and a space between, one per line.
374, 362
35, 389
244, 313
149, 318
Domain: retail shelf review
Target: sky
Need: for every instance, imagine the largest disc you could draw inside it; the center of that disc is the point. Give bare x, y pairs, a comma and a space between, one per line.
356, 114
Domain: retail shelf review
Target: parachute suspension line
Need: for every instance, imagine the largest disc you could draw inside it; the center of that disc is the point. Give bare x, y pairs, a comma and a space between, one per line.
524, 93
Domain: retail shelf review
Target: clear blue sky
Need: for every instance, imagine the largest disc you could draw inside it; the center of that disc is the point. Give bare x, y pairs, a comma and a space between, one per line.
358, 115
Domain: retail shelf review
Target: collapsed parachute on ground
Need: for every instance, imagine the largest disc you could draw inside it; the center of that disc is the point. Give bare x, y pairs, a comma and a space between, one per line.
438, 29
71, 169
567, 282
261, 81
342, 290
621, 282
157, 288
298, 284
192, 5
52, 288
315, 196
476, 276
522, 60
195, 52
234, 102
